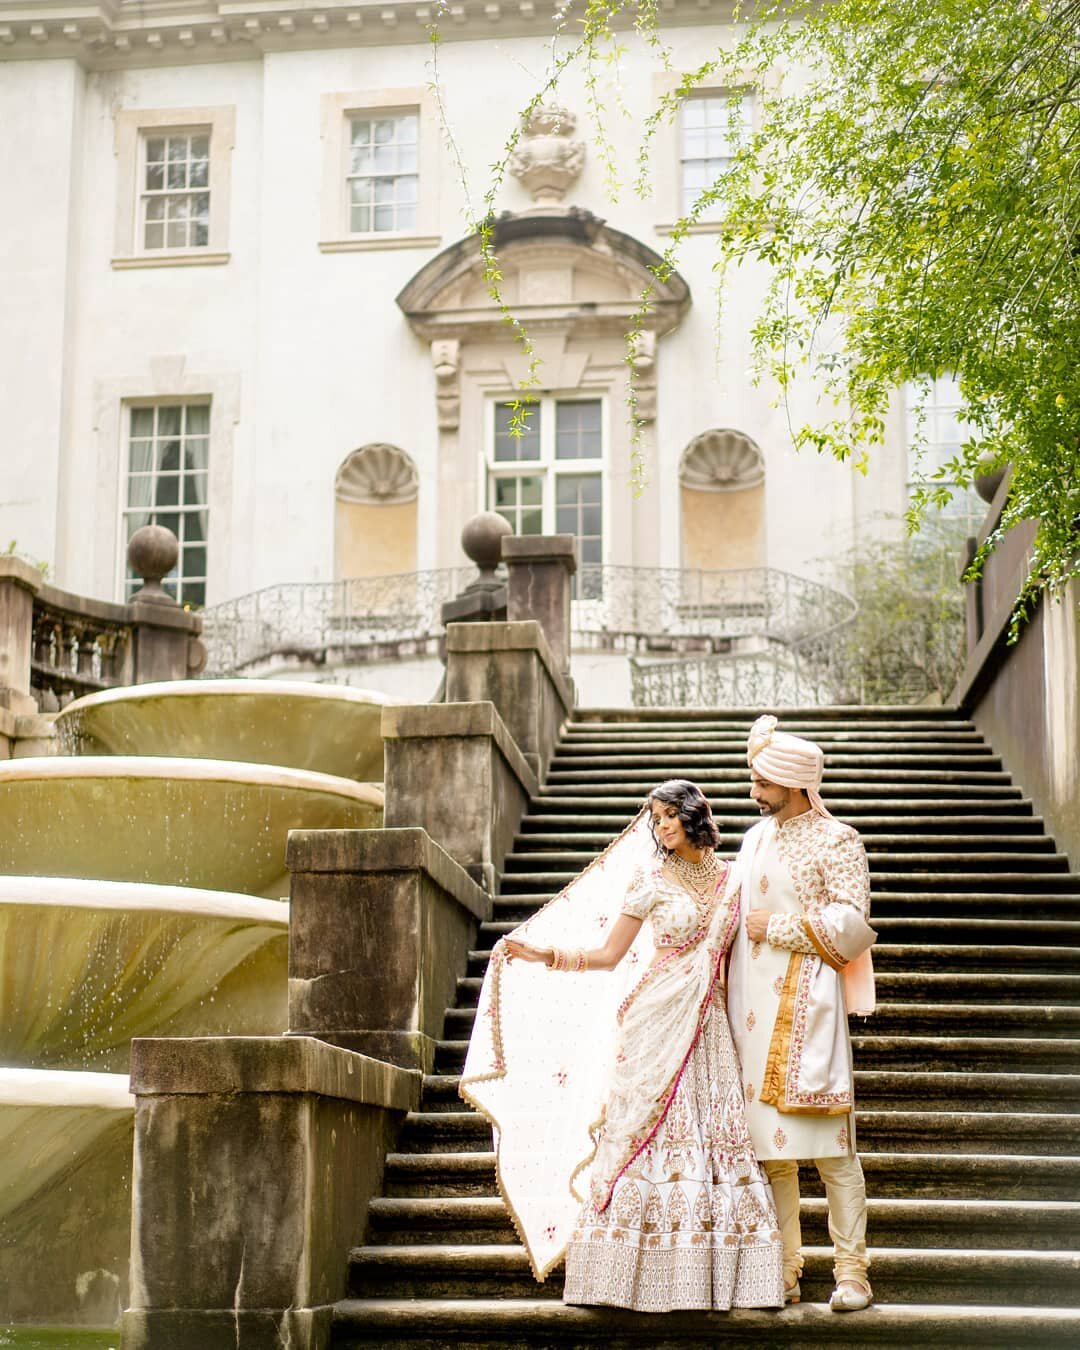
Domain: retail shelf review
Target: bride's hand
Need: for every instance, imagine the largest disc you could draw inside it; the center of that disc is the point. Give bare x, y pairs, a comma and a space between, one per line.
525, 951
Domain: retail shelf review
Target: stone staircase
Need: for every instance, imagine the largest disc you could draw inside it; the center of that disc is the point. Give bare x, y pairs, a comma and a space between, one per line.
967, 1077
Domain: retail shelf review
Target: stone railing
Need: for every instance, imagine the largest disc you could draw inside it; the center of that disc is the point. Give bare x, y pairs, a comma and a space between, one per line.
56, 646
329, 624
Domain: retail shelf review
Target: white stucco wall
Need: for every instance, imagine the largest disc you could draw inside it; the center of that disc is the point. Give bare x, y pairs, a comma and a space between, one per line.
322, 358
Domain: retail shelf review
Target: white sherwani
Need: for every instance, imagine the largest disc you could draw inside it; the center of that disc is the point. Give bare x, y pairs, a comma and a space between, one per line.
785, 996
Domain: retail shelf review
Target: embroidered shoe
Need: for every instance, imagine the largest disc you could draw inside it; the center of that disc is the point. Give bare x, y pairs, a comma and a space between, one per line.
792, 1293
851, 1296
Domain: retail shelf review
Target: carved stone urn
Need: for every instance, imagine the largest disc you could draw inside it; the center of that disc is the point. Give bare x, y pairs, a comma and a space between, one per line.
546, 160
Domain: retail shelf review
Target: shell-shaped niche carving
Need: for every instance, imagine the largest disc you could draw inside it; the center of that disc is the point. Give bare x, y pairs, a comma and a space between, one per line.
380, 475
721, 460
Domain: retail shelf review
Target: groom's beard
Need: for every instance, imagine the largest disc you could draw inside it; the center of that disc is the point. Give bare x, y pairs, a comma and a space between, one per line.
774, 808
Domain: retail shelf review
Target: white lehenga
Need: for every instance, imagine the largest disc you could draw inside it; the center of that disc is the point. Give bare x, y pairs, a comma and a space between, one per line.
619, 1121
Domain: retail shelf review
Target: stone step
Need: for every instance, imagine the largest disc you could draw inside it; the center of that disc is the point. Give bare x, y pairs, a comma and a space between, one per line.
902, 906
577, 844
912, 1131
643, 761
957, 1275
897, 1018
899, 716
891, 1089
905, 1175
953, 1054
894, 958
604, 827
517, 1324
534, 871
859, 775
613, 739
596, 740
929, 986
1038, 1225
961, 798
922, 932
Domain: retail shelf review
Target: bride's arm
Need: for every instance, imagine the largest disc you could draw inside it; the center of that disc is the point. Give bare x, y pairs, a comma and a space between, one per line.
607, 957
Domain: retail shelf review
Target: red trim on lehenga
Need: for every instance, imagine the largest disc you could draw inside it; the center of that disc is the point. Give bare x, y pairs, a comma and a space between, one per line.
733, 919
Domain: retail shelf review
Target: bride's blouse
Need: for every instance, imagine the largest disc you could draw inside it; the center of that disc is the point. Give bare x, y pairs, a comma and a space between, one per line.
671, 910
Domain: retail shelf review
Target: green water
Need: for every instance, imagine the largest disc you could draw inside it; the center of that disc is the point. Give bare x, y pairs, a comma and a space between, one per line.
57, 1338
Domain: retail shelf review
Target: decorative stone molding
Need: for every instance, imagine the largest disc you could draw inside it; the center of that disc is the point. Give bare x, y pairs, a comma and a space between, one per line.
721, 460
377, 475
446, 358
644, 364
545, 160
112, 35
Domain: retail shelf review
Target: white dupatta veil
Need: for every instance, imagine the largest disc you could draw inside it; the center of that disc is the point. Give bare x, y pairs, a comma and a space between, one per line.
540, 1058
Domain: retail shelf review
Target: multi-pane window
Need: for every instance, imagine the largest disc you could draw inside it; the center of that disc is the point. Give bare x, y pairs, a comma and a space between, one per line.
382, 172
936, 430
550, 478
712, 126
167, 481
174, 200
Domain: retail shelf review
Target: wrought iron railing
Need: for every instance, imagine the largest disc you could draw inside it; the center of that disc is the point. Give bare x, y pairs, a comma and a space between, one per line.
623, 608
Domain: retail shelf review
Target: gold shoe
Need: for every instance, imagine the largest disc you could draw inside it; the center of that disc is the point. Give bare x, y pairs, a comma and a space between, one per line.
792, 1293
851, 1296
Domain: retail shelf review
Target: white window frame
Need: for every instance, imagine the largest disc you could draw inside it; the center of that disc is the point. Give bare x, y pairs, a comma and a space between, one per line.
337, 114
146, 194
133, 127
943, 398
130, 407
667, 155
547, 467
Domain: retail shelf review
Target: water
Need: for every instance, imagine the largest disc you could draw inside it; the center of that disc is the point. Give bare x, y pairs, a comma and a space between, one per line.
57, 1338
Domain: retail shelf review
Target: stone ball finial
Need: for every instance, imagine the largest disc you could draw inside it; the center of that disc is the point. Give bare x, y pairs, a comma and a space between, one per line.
153, 552
481, 540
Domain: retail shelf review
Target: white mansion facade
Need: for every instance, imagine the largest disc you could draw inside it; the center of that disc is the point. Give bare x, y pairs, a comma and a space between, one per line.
239, 297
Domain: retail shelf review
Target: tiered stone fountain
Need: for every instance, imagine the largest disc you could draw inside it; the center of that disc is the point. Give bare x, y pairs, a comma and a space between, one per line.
141, 885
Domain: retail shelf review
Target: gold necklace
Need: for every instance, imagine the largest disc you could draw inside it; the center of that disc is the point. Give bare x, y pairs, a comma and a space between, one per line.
698, 876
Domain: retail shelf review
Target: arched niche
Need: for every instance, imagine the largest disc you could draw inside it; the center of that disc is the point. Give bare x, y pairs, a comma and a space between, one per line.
375, 505
722, 490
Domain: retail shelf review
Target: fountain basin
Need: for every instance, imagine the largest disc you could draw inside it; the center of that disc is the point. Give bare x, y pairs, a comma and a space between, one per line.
210, 824
65, 1195
87, 965
323, 728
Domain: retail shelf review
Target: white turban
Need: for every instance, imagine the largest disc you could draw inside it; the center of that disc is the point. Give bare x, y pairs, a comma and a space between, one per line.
786, 760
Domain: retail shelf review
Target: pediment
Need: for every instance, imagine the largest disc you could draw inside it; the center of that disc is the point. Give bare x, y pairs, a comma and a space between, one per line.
560, 269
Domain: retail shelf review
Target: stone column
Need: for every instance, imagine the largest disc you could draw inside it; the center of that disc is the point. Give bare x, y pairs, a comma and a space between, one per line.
539, 568
512, 665
255, 1159
380, 926
455, 770
19, 583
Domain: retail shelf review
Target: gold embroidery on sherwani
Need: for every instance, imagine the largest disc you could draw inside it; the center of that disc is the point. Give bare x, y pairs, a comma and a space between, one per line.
823, 946
772, 1086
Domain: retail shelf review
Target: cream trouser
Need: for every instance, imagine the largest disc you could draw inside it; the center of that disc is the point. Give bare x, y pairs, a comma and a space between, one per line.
845, 1191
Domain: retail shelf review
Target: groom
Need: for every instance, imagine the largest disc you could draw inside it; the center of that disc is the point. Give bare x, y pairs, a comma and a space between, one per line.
800, 963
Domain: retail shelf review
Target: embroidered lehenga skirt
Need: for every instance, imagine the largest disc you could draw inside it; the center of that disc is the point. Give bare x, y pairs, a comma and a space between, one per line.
690, 1223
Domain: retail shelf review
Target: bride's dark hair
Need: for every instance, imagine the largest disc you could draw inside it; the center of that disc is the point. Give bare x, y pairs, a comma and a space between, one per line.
689, 800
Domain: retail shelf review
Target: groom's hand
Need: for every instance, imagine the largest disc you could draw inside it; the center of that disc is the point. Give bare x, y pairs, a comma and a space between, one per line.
757, 925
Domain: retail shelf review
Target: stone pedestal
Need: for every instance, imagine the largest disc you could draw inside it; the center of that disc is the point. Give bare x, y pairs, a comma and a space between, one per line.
255, 1159
166, 643
19, 584
511, 664
539, 568
454, 770
380, 926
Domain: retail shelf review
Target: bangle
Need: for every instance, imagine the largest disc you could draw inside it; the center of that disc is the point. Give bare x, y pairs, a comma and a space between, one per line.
564, 960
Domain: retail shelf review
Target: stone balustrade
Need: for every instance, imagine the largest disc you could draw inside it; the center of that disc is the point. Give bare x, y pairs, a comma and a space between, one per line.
56, 646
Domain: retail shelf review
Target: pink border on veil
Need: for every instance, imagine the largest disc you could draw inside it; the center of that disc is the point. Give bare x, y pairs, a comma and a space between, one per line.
669, 1096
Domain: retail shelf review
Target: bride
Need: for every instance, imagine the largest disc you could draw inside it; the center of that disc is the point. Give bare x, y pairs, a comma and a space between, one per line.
615, 1100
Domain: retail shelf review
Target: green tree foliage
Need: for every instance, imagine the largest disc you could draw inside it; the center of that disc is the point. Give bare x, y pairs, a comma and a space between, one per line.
914, 187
